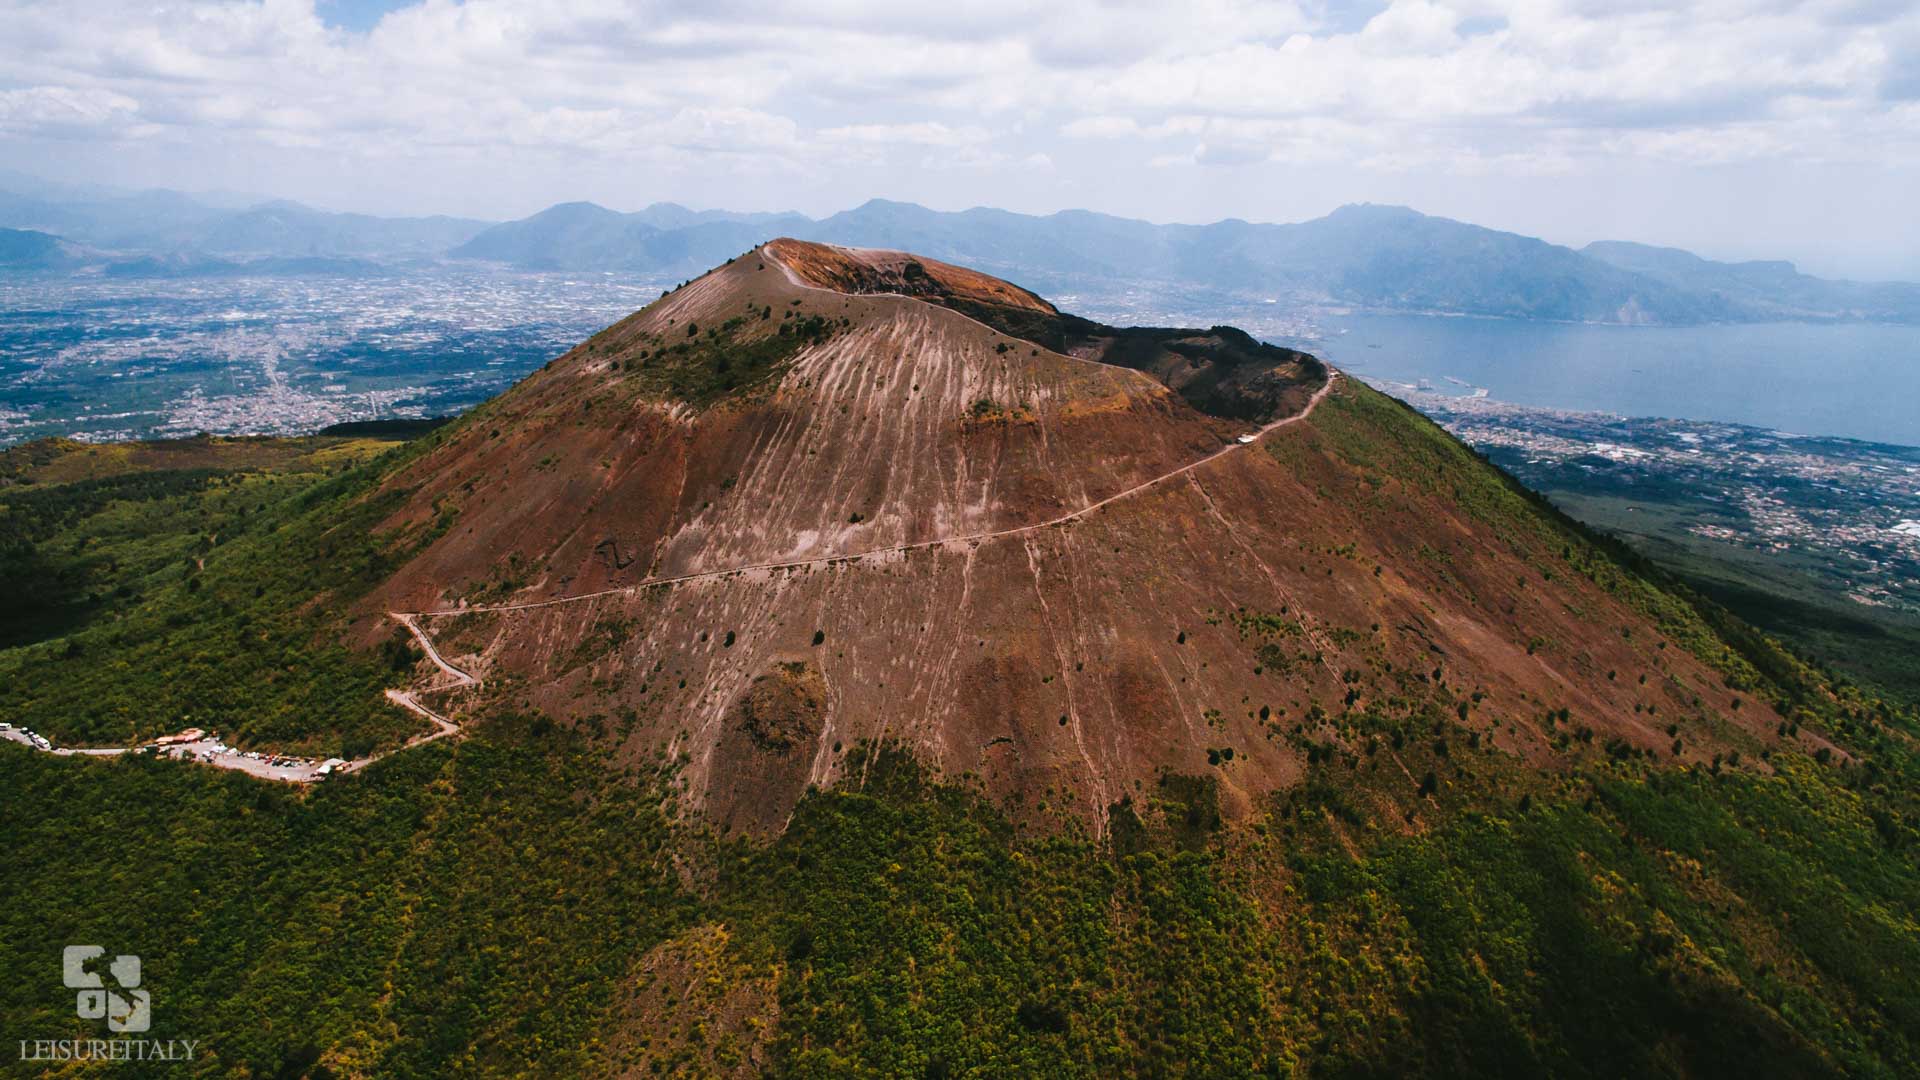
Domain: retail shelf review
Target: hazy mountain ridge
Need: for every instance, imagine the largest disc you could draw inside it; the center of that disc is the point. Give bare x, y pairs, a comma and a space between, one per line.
663, 238
1772, 285
28, 249
1377, 257
1380, 258
171, 223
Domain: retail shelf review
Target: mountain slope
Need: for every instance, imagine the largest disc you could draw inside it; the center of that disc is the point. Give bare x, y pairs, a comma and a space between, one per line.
583, 236
763, 539
168, 223
1392, 257
28, 250
289, 229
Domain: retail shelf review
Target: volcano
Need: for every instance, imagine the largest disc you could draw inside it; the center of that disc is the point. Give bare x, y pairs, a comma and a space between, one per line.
853, 665
822, 498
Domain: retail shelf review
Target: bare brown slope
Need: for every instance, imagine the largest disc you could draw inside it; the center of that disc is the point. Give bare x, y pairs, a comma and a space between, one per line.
866, 270
901, 422
1231, 614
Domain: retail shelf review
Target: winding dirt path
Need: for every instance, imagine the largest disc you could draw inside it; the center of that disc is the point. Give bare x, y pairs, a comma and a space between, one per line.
460, 678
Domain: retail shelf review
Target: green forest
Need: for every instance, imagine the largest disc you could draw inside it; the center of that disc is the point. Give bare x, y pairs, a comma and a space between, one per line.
205, 594
501, 906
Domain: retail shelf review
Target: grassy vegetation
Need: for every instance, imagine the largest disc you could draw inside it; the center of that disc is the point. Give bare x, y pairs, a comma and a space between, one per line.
702, 366
1641, 925
1237, 377
489, 906
210, 597
116, 532
1789, 596
1389, 439
454, 910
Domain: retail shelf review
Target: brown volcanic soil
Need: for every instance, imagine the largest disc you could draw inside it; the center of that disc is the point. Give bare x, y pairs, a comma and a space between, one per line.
864, 270
908, 423
1228, 621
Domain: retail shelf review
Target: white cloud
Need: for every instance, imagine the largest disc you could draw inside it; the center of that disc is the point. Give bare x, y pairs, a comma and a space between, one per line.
64, 110
1101, 127
924, 133
521, 71
1412, 27
845, 90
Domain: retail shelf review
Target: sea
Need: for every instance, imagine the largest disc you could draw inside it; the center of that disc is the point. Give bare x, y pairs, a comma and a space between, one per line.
1859, 381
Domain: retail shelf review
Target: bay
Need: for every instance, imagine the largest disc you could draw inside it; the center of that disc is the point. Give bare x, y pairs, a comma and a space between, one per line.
1854, 380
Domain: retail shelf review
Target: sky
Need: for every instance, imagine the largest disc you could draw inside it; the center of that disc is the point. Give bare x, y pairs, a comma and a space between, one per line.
1735, 128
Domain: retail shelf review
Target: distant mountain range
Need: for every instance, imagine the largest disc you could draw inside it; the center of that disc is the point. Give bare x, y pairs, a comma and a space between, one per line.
28, 251
662, 238
168, 222
1774, 288
22, 249
1380, 258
